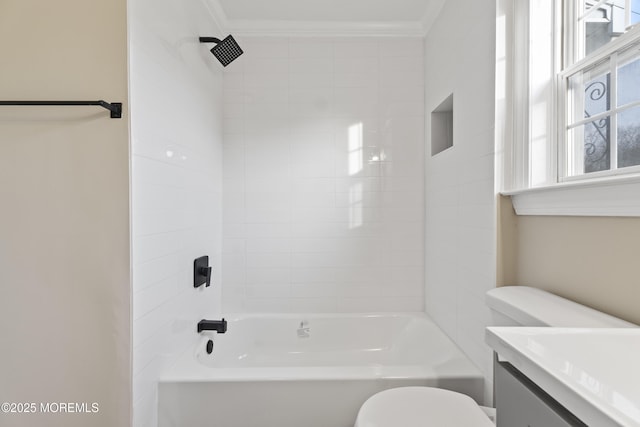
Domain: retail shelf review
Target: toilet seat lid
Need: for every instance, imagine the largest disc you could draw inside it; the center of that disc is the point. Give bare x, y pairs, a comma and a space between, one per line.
421, 407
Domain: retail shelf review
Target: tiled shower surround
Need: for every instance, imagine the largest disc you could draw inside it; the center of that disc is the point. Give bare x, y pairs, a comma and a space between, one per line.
323, 186
176, 180
460, 225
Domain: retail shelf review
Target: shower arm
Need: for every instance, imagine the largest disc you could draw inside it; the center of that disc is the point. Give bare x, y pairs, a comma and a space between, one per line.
209, 40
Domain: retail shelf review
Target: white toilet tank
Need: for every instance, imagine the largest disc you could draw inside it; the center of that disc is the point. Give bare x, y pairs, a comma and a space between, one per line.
526, 306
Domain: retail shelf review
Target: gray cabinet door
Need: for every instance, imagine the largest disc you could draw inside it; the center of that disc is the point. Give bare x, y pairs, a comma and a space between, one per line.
520, 403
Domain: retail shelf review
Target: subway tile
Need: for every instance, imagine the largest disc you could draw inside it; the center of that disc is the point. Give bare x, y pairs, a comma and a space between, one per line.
305, 126
314, 290
268, 245
268, 184
233, 110
401, 78
157, 294
266, 65
355, 64
271, 214
268, 291
314, 200
265, 111
382, 290
407, 47
313, 185
310, 80
319, 110
351, 48
233, 275
312, 230
269, 260
317, 169
234, 184
233, 215
268, 230
233, 82
306, 275
403, 93
309, 95
151, 272
310, 245
261, 171
233, 125
318, 232
235, 200
367, 199
310, 64
266, 48
407, 64
234, 246
271, 276
269, 79
311, 49
257, 200
356, 79
147, 248
262, 95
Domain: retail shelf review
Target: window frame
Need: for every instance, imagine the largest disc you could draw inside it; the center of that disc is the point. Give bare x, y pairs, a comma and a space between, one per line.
609, 54
592, 194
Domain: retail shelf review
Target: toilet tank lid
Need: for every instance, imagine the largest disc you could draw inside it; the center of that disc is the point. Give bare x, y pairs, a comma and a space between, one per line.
535, 307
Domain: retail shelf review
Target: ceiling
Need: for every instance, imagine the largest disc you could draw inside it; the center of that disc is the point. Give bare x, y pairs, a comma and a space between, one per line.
349, 16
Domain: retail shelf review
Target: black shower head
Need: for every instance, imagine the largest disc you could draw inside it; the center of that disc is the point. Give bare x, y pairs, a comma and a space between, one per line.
226, 50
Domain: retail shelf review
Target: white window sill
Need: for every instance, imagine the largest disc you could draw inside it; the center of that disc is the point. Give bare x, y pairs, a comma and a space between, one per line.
614, 196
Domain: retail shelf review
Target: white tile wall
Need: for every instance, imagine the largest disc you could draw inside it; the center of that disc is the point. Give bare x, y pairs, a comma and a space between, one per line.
176, 130
460, 220
323, 176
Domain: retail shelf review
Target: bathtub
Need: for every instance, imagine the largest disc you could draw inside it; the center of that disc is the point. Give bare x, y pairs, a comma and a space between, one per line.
308, 370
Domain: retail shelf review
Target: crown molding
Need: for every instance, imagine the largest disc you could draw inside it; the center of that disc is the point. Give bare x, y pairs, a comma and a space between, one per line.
322, 28
325, 28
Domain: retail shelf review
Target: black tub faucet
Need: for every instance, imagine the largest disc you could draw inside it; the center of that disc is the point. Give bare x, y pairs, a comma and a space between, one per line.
220, 326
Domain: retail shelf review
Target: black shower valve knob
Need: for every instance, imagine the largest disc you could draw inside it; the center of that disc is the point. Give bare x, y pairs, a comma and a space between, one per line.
202, 272
206, 271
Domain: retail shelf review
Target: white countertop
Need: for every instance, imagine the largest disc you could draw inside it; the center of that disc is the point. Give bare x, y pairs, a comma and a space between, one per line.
594, 373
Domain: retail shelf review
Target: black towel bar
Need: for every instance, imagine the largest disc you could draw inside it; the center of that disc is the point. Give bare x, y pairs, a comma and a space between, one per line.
114, 107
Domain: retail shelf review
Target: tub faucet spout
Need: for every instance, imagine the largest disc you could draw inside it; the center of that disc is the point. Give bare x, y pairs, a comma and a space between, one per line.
220, 326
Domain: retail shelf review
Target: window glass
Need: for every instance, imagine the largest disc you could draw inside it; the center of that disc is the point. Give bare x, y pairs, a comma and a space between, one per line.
590, 92
603, 21
629, 82
597, 95
603, 91
629, 137
635, 12
591, 142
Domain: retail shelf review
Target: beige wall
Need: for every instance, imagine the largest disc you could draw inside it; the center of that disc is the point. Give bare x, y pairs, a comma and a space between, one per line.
591, 260
64, 212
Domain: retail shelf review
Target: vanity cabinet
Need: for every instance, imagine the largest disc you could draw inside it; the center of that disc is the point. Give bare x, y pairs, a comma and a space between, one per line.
521, 403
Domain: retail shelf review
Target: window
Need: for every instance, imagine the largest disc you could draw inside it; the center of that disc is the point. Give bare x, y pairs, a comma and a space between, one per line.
568, 106
600, 89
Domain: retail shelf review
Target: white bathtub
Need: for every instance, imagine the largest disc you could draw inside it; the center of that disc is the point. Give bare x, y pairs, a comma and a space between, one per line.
308, 370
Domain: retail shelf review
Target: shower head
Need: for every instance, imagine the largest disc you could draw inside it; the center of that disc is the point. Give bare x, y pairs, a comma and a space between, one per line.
226, 51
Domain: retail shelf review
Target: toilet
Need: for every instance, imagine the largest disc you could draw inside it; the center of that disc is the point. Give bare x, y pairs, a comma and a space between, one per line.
510, 306
421, 407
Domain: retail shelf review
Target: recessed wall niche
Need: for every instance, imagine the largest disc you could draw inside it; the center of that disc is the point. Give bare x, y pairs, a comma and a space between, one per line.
442, 126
